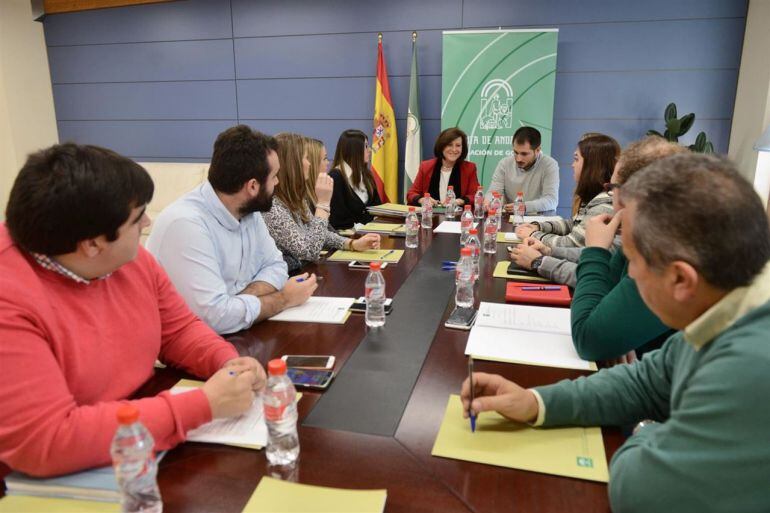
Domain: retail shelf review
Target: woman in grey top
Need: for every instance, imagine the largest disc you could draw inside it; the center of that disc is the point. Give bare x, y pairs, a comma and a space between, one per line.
299, 218
594, 160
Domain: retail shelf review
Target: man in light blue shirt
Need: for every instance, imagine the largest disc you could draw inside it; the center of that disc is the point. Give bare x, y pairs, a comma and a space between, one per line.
215, 246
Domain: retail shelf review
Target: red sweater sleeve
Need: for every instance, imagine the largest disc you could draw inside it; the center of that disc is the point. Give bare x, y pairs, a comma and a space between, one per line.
421, 182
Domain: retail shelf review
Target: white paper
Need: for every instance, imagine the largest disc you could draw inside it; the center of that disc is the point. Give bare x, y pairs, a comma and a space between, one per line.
450, 227
537, 219
247, 429
511, 237
533, 335
524, 317
329, 310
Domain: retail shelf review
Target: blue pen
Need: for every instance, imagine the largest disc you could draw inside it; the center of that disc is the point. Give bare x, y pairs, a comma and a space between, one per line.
448, 262
470, 412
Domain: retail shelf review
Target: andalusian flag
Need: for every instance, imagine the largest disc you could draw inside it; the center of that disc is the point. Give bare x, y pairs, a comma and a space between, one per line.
384, 141
413, 150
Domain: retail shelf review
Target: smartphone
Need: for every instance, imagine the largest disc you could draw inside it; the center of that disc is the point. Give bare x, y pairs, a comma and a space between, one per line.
514, 268
310, 378
355, 264
461, 318
360, 305
309, 361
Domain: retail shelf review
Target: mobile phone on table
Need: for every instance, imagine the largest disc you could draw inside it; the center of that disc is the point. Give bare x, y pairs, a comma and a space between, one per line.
310, 378
307, 361
360, 305
461, 318
356, 264
514, 268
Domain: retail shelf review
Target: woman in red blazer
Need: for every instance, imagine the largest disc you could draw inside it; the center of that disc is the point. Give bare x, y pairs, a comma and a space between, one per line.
448, 168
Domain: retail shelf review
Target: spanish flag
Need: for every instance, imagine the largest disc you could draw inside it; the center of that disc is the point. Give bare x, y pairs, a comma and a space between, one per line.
384, 140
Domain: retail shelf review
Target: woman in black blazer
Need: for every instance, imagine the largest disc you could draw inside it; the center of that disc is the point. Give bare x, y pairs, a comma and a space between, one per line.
354, 185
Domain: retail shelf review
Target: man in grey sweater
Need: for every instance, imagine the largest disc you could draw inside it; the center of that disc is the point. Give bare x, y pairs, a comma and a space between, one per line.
530, 171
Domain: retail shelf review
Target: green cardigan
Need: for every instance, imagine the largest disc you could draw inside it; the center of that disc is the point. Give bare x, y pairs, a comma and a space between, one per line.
712, 451
609, 317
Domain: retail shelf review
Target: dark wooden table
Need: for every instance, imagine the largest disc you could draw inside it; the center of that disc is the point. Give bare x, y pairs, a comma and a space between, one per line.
206, 478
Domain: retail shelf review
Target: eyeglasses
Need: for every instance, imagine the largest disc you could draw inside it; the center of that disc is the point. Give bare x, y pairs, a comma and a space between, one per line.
610, 188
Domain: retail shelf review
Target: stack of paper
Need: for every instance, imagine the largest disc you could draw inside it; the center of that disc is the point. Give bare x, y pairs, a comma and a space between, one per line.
276, 496
386, 228
96, 484
328, 310
537, 219
508, 238
533, 335
391, 210
572, 452
370, 255
450, 227
501, 271
22, 503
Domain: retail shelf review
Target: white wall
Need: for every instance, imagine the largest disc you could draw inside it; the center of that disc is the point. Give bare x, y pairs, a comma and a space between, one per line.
27, 118
752, 103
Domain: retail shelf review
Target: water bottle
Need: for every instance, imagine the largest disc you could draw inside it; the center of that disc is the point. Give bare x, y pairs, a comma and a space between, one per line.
519, 209
464, 280
475, 245
490, 233
427, 212
412, 226
374, 290
478, 203
134, 462
497, 205
449, 202
279, 400
466, 223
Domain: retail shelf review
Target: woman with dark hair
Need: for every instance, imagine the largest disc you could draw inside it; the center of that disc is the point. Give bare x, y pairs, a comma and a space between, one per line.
298, 219
354, 185
592, 165
449, 167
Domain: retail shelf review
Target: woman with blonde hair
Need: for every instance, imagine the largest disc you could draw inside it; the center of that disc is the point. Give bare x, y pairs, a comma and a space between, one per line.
299, 218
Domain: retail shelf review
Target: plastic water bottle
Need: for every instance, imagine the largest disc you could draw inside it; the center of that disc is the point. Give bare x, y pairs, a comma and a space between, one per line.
475, 245
464, 280
478, 204
497, 205
279, 400
519, 208
427, 212
134, 462
466, 223
449, 202
412, 226
490, 233
374, 291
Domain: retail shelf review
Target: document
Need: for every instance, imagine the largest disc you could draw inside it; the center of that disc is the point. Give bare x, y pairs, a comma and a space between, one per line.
276, 496
382, 228
501, 271
18, 503
537, 219
508, 237
450, 227
371, 255
247, 430
328, 310
508, 333
572, 452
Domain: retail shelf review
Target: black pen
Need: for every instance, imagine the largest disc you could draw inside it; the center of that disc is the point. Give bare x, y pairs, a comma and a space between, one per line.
382, 257
470, 411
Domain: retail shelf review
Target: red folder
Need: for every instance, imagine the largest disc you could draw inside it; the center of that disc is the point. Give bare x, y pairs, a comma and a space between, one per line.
515, 292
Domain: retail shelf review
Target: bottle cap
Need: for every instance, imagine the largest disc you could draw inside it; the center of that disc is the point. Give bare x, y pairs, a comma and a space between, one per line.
519, 193
492, 211
467, 207
473, 231
426, 195
465, 252
451, 187
480, 188
411, 209
496, 194
127, 414
375, 266
276, 367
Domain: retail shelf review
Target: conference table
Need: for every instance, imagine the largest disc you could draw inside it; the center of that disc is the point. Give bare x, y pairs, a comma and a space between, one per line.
391, 398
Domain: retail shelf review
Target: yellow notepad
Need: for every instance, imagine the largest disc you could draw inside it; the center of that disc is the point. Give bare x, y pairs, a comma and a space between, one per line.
501, 238
572, 452
382, 227
372, 255
395, 207
501, 271
276, 496
19, 503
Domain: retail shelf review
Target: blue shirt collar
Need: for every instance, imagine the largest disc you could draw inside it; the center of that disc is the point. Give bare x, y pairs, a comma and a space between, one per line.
217, 208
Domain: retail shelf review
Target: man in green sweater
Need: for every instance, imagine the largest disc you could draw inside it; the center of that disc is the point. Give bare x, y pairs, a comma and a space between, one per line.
698, 243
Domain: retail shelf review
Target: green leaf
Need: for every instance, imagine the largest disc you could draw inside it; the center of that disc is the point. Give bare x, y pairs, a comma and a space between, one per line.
673, 126
709, 148
654, 132
686, 123
670, 112
701, 140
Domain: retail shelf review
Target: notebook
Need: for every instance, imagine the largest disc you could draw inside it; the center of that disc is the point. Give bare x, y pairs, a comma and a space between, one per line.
517, 292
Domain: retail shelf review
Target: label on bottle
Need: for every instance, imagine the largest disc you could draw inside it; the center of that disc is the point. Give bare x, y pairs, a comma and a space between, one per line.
274, 413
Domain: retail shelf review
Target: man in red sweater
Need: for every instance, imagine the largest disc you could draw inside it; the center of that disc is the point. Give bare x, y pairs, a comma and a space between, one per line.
84, 314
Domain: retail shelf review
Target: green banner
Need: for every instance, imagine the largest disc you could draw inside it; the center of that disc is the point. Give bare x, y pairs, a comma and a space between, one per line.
495, 81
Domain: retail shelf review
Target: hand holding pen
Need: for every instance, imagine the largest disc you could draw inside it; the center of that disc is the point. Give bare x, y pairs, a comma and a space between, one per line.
491, 392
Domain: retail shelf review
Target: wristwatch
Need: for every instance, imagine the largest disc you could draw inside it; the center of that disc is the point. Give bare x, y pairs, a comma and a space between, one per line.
537, 262
641, 424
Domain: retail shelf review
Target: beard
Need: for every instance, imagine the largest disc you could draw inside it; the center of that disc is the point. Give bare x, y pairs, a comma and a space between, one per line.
262, 202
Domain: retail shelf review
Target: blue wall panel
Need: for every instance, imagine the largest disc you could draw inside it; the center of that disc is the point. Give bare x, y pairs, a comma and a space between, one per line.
160, 81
